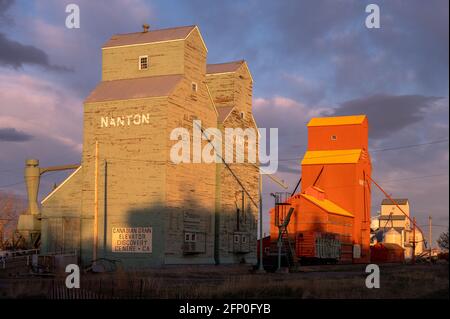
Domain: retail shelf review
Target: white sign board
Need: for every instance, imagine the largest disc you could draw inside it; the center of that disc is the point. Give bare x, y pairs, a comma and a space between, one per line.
131, 239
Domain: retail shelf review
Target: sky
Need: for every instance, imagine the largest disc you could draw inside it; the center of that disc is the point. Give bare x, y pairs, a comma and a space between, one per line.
308, 58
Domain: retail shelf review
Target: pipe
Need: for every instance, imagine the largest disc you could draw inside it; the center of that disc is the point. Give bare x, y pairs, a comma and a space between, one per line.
94, 251
32, 174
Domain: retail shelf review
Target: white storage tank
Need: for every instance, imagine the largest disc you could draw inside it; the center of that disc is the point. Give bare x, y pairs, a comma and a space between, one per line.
393, 237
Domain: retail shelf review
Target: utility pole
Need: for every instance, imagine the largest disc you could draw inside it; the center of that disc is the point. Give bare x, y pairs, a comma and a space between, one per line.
282, 184
429, 238
261, 267
94, 250
414, 242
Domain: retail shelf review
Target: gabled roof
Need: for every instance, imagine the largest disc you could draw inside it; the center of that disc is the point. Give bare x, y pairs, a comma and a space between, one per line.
327, 205
336, 120
151, 36
350, 156
392, 217
388, 227
223, 112
61, 185
223, 67
138, 88
227, 67
399, 201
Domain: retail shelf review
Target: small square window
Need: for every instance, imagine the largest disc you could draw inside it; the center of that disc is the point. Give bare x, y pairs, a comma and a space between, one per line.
333, 137
143, 62
187, 237
194, 87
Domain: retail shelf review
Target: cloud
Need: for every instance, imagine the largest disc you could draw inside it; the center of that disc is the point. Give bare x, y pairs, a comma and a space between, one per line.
15, 54
10, 134
388, 114
4, 6
42, 109
47, 112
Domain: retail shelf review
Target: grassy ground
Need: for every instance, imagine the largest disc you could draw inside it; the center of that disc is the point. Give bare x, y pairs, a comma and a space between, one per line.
397, 281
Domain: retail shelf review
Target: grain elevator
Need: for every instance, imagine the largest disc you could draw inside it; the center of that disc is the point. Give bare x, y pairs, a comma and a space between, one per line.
127, 200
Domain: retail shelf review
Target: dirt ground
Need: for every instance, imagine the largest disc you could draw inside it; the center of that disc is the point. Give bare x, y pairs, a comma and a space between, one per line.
190, 282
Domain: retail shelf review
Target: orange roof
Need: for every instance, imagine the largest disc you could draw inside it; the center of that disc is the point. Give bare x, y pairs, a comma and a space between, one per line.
223, 67
332, 157
137, 88
327, 205
336, 120
169, 34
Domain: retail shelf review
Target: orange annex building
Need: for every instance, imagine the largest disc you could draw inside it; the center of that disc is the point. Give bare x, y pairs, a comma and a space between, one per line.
331, 216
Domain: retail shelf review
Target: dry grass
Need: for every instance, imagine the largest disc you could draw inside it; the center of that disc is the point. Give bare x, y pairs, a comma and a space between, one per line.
397, 281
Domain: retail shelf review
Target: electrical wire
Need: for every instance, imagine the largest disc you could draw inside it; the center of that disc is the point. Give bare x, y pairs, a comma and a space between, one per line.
23, 182
375, 150
384, 182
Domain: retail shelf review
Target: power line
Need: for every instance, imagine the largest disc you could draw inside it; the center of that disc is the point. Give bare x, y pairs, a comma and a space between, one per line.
433, 225
415, 177
410, 146
375, 150
23, 182
386, 181
13, 184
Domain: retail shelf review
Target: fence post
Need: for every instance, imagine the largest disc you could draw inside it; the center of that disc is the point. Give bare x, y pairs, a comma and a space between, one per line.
141, 290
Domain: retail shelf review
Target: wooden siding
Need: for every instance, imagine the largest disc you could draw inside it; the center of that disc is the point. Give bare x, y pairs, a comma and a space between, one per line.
139, 185
123, 62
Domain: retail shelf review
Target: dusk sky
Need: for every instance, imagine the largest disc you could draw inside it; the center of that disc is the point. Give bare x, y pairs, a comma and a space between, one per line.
307, 58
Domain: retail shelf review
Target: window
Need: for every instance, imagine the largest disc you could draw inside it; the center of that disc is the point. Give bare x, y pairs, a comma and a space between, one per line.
333, 137
194, 87
244, 239
190, 237
143, 62
236, 239
242, 115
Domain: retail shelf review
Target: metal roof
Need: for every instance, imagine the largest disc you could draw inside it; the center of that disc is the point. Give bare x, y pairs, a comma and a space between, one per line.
223, 112
332, 157
223, 67
336, 120
161, 35
327, 205
399, 201
136, 88
393, 217
387, 227
389, 246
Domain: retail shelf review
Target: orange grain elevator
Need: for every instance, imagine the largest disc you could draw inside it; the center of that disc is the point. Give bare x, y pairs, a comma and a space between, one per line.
334, 198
